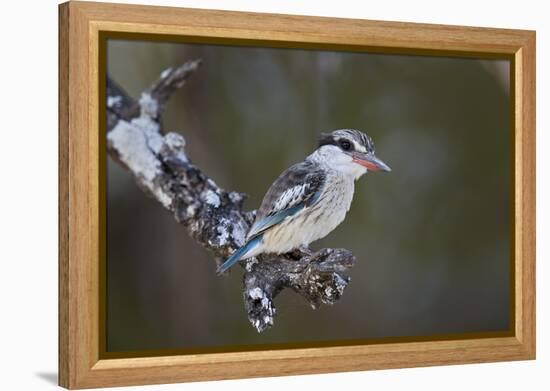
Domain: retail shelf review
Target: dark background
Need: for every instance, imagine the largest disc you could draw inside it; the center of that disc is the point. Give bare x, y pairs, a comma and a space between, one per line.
431, 238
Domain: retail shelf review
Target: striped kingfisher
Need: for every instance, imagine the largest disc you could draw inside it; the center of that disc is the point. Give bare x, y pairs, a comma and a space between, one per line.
311, 198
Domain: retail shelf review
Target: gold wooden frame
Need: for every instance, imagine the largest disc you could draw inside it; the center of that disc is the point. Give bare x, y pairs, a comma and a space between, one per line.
80, 25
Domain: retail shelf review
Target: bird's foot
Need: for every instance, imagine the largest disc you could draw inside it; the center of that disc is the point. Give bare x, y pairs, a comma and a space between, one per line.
306, 250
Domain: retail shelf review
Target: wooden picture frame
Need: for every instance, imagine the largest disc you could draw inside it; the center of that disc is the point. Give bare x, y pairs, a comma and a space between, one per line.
81, 364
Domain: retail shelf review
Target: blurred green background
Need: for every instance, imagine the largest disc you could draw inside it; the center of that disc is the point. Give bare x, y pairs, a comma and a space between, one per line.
432, 238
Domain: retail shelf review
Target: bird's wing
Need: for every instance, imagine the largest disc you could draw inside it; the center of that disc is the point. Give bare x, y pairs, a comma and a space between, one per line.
296, 188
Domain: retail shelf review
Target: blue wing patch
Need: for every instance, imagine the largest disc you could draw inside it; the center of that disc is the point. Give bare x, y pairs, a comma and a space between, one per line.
270, 221
298, 187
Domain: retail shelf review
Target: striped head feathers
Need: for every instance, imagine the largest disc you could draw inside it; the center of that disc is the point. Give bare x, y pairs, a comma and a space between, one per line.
348, 151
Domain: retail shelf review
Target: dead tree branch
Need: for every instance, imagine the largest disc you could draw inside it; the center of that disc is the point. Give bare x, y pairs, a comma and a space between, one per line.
213, 216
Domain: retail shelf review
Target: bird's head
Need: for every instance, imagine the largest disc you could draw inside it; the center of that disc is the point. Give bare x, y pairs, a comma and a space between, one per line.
349, 151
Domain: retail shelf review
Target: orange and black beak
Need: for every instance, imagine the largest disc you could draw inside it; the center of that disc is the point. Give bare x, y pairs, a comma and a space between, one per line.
369, 161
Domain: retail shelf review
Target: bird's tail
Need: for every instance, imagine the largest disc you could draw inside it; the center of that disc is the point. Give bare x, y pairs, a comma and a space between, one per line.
239, 254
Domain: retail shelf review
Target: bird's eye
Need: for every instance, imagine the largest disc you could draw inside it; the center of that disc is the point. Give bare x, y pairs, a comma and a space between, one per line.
345, 145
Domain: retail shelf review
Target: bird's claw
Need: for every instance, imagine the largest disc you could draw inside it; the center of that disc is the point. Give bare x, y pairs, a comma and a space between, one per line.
298, 253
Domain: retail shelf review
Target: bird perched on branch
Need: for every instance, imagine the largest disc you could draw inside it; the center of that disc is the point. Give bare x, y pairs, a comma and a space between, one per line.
310, 198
